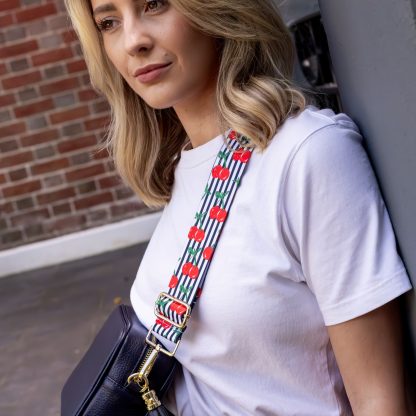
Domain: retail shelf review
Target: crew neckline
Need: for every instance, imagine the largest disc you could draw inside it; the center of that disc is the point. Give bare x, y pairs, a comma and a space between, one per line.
202, 153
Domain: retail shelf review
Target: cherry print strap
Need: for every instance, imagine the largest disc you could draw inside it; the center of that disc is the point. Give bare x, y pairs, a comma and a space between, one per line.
174, 307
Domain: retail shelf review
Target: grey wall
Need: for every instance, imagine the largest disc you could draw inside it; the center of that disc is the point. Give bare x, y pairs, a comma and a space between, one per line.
295, 10
373, 48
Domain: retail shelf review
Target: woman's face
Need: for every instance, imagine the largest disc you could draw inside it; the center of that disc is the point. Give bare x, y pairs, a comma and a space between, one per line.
163, 59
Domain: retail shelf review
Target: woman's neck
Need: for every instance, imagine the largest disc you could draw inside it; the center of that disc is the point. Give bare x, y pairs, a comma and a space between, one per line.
200, 119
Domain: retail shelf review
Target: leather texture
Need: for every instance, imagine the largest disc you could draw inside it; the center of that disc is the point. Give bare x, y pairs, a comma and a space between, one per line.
98, 385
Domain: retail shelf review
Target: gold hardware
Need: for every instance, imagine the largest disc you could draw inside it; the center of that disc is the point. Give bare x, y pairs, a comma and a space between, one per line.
151, 400
161, 349
165, 318
142, 382
147, 364
141, 377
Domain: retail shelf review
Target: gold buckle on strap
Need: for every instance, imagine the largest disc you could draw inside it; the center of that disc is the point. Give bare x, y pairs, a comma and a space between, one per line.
159, 346
186, 313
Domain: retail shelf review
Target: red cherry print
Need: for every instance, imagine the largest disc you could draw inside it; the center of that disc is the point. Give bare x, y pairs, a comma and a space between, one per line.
163, 323
199, 292
207, 253
178, 308
173, 282
222, 215
237, 154
214, 212
232, 135
199, 235
193, 272
216, 171
186, 268
192, 232
245, 157
223, 174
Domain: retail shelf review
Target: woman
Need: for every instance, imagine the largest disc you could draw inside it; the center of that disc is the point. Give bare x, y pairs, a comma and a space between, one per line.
296, 315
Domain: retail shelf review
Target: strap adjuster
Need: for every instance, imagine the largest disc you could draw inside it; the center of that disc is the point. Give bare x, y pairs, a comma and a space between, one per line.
178, 306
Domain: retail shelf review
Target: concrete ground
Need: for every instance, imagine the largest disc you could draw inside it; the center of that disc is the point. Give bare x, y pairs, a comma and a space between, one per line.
48, 318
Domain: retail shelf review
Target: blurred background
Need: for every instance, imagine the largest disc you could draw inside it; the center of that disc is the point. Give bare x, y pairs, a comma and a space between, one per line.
71, 234
53, 180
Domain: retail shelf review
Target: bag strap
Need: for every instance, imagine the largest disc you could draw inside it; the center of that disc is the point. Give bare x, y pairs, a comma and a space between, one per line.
173, 308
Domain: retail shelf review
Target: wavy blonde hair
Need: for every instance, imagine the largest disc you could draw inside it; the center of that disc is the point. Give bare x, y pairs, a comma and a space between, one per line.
254, 92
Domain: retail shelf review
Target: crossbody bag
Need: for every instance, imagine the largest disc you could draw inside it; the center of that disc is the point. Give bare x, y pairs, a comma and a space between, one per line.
127, 369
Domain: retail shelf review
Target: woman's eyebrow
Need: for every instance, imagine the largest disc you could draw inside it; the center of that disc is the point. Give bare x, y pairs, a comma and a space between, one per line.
108, 7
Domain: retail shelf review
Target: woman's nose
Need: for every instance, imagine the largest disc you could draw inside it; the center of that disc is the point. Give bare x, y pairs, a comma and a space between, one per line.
137, 37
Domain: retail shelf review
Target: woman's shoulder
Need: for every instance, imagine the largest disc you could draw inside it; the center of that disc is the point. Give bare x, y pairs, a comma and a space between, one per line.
311, 121
313, 134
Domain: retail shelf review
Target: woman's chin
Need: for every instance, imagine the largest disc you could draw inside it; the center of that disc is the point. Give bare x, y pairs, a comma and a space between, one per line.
158, 104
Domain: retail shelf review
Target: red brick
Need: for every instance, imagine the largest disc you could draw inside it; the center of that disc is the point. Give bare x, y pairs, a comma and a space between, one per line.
126, 208
85, 79
109, 181
21, 189
9, 5
2, 178
25, 203
11, 238
6, 20
93, 200
76, 66
97, 123
67, 223
8, 145
42, 137
18, 49
70, 145
12, 129
53, 180
32, 217
18, 174
3, 68
20, 80
101, 154
34, 231
49, 166
50, 197
51, 56
16, 159
101, 107
59, 86
6, 208
60, 209
67, 115
87, 95
86, 187
69, 36
35, 12
87, 172
33, 108
7, 100
123, 193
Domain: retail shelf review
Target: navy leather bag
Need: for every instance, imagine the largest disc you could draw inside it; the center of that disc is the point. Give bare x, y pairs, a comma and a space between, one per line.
98, 385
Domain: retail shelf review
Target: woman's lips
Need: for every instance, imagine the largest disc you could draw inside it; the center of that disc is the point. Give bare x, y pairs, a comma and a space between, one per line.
152, 74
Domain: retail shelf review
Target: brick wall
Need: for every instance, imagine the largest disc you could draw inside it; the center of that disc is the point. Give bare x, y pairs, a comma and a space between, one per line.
52, 179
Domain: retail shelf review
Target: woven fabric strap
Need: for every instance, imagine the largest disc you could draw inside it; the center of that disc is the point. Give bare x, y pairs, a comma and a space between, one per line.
173, 307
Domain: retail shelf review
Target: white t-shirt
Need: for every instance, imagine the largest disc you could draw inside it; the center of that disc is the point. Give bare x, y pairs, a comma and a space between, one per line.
307, 243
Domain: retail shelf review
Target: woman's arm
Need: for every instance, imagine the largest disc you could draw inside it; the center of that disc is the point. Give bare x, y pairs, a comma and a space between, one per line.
368, 350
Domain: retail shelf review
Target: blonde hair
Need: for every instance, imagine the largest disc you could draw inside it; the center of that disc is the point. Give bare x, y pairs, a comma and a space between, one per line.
255, 94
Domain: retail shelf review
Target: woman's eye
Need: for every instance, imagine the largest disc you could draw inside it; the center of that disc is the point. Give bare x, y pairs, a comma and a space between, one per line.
154, 5
105, 25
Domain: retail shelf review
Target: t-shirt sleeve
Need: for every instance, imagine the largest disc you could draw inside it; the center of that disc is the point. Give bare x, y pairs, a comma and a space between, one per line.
336, 223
